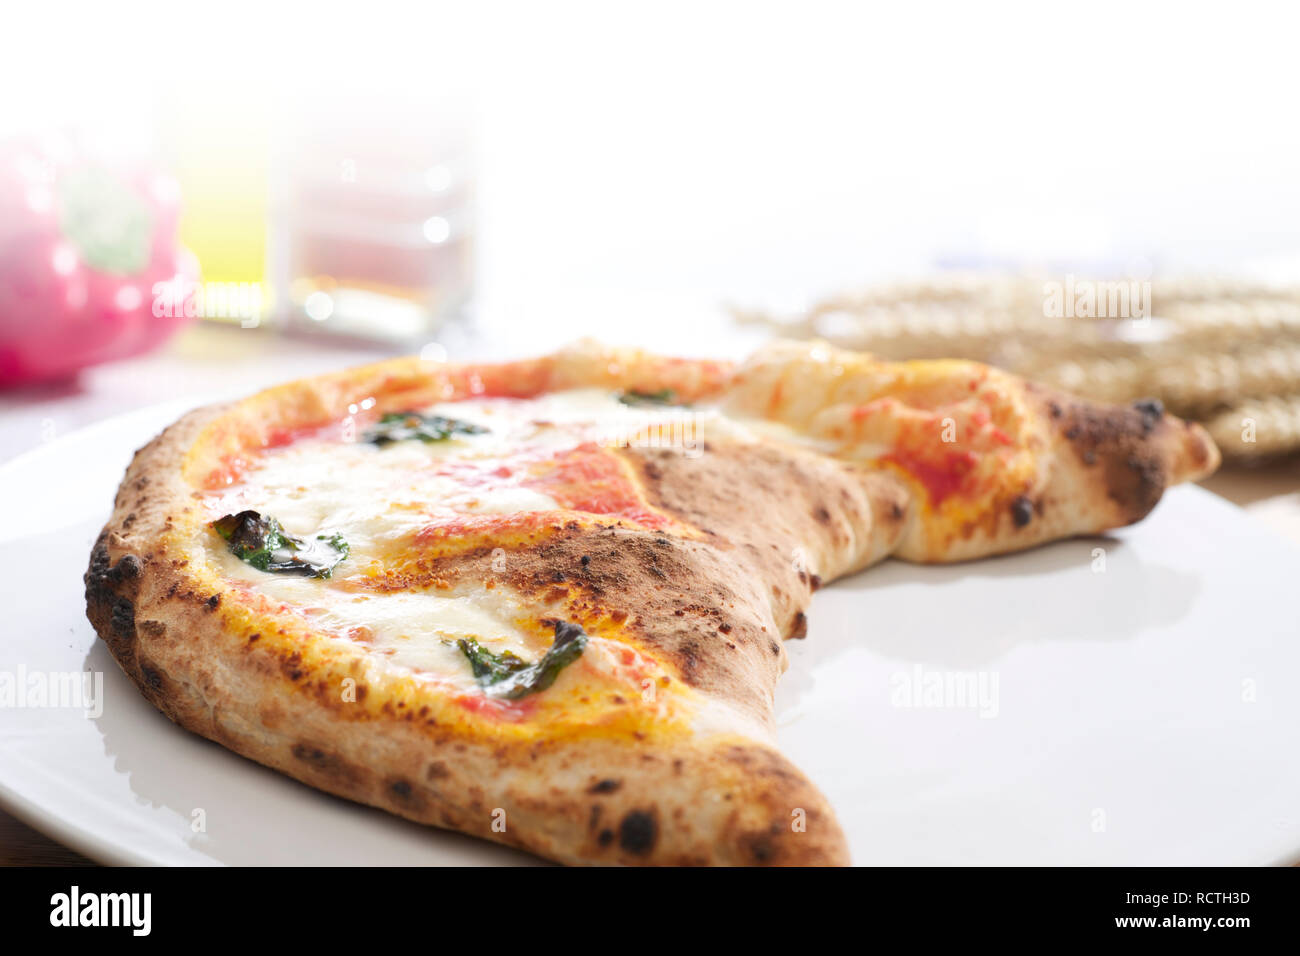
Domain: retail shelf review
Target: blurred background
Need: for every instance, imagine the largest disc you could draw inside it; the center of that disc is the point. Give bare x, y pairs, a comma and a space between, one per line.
204, 201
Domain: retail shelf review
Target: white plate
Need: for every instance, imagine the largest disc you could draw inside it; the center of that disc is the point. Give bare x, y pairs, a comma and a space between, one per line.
1144, 713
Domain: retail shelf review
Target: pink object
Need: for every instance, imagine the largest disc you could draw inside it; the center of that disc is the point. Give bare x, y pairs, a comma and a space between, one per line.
85, 245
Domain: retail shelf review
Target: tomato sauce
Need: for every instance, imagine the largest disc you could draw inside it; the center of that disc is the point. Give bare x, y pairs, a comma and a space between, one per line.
942, 473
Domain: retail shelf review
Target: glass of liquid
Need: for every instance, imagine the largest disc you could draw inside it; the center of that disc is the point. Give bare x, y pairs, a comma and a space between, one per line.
370, 214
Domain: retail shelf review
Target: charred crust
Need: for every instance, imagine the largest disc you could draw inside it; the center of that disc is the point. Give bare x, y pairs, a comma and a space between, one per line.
1118, 440
99, 559
758, 846
327, 765
127, 569
309, 754
152, 678
638, 832
1152, 411
401, 790
605, 786
799, 627
291, 666
110, 592
121, 622
1022, 511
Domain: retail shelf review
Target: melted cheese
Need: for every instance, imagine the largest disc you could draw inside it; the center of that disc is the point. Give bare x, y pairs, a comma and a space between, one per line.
378, 497
414, 631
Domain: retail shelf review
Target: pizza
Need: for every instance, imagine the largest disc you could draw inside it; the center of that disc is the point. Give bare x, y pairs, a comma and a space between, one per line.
544, 602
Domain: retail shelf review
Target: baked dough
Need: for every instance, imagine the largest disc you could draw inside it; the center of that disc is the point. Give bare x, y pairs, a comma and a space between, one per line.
559, 626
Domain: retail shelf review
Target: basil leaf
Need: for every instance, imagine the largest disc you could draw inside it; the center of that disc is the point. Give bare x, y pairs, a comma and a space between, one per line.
507, 676
490, 667
403, 426
665, 396
262, 542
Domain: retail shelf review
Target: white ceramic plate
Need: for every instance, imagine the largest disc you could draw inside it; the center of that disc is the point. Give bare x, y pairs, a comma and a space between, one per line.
1120, 700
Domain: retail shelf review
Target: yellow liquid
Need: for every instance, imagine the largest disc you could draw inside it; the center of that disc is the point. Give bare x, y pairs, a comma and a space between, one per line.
220, 158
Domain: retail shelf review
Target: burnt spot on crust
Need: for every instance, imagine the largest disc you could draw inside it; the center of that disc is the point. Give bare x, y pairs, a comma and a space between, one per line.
688, 659
153, 678
799, 628
638, 832
1022, 511
99, 560
758, 846
309, 754
291, 666
1118, 440
605, 786
110, 590
404, 793
121, 622
1151, 410
127, 569
606, 837
327, 765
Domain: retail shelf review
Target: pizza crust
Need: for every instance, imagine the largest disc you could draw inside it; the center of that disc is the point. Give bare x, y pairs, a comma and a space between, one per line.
727, 799
713, 607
